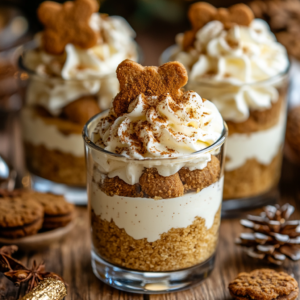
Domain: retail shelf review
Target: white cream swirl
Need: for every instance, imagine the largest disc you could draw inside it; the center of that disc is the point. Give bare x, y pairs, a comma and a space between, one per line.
236, 61
64, 78
160, 127
157, 128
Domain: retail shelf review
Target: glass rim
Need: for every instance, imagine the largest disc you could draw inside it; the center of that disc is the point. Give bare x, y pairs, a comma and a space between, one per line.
88, 142
205, 81
31, 45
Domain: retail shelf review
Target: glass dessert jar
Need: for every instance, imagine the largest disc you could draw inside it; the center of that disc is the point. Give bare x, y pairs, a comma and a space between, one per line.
51, 129
160, 233
243, 70
254, 146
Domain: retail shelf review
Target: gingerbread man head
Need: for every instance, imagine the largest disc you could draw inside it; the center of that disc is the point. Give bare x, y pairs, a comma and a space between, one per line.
67, 23
151, 81
201, 13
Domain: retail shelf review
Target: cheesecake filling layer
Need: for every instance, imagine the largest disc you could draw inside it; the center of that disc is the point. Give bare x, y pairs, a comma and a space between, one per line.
149, 218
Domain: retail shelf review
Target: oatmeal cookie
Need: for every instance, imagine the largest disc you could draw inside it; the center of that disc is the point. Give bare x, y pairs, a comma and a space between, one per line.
155, 185
116, 186
264, 284
19, 218
57, 211
200, 179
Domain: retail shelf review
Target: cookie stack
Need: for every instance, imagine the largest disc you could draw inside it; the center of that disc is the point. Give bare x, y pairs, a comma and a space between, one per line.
24, 213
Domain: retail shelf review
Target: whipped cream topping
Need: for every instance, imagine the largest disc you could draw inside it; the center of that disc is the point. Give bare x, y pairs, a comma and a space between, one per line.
156, 128
233, 58
80, 72
160, 127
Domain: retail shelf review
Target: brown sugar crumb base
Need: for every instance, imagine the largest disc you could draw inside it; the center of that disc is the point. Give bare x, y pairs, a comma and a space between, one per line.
55, 165
264, 284
252, 178
176, 249
259, 119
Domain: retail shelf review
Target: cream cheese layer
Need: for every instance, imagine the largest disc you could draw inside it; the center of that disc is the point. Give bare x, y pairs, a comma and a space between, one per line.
37, 132
261, 145
148, 218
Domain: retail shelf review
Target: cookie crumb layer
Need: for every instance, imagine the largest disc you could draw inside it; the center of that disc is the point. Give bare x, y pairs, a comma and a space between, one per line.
55, 165
176, 249
252, 178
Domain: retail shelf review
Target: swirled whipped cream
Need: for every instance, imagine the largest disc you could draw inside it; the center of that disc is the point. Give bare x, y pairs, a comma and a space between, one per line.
232, 58
61, 79
157, 127
160, 127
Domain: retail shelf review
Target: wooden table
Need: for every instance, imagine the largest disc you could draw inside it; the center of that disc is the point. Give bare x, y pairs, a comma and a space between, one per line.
70, 258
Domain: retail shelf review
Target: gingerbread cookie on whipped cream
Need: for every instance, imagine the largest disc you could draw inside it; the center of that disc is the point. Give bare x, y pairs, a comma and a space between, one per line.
71, 78
235, 61
153, 167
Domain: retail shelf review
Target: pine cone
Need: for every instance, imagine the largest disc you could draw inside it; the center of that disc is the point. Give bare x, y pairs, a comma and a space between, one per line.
273, 237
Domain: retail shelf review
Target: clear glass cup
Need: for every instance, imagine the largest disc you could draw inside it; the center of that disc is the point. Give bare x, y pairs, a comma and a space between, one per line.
145, 243
254, 147
54, 150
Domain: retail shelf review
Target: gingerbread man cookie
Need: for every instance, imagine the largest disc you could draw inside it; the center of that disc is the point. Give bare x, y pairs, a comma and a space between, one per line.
151, 81
67, 23
201, 13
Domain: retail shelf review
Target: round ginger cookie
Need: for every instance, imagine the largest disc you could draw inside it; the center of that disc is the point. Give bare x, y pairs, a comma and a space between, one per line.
116, 186
57, 211
200, 179
81, 110
264, 284
19, 218
155, 185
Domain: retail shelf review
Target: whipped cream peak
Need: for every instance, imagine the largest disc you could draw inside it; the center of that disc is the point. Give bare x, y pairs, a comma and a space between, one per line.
78, 72
243, 57
161, 127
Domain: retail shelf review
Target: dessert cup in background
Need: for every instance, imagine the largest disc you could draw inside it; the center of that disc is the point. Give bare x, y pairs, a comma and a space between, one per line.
70, 80
243, 70
155, 182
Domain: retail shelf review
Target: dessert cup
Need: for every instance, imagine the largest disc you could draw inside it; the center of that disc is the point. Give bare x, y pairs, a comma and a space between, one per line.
144, 243
54, 151
254, 146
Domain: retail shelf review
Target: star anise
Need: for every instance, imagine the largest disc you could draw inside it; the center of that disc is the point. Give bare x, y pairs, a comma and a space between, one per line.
32, 276
6, 261
274, 237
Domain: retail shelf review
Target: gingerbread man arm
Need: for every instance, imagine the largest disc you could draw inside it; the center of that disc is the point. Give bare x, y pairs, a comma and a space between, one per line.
48, 12
152, 81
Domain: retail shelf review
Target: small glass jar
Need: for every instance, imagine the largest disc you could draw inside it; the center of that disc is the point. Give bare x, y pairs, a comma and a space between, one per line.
254, 147
54, 151
160, 233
